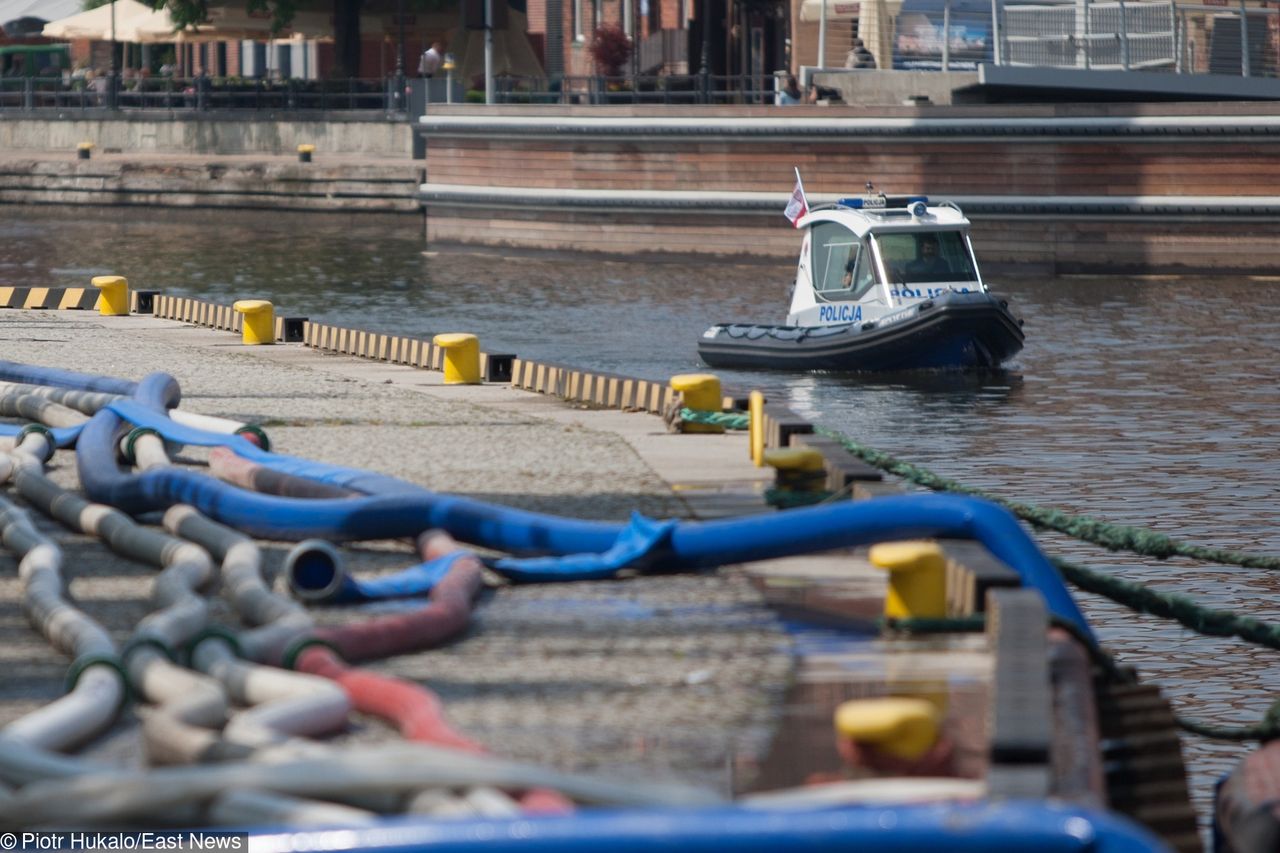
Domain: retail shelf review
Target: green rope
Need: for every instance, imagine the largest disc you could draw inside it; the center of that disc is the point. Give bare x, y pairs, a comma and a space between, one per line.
1170, 605
1113, 537
728, 420
1267, 729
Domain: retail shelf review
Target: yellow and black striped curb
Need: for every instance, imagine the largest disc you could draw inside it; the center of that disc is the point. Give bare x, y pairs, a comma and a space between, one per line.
394, 349
198, 312
67, 298
56, 298
604, 390
592, 388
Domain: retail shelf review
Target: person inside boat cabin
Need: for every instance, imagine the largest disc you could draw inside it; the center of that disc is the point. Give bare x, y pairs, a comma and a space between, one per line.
928, 262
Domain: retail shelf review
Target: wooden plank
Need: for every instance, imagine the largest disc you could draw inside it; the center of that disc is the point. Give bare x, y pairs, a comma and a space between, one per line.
972, 571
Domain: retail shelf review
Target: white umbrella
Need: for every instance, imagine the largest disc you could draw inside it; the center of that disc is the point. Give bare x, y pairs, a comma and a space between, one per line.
225, 23
96, 24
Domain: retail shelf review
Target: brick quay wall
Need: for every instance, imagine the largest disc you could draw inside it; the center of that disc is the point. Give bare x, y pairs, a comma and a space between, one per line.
1097, 188
1051, 188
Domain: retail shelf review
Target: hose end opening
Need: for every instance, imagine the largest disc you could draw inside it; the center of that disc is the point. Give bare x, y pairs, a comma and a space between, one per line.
314, 570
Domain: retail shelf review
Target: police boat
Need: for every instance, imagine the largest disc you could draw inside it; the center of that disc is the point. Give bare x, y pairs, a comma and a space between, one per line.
883, 283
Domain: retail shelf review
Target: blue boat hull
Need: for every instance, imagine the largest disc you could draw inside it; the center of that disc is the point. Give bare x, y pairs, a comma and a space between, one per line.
951, 331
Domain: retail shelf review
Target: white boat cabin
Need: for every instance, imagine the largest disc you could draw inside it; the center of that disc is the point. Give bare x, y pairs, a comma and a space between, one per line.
870, 257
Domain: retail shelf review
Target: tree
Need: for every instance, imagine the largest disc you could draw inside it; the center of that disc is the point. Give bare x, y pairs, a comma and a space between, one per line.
610, 48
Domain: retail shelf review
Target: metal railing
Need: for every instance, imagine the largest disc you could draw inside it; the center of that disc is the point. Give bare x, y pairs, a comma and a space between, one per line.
661, 89
199, 94
954, 35
1125, 35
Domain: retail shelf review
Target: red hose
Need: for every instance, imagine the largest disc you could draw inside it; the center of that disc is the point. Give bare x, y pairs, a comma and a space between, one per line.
446, 614
415, 710
227, 466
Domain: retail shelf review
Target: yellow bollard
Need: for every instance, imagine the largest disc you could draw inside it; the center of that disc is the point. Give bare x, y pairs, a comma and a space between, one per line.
259, 325
701, 392
461, 358
113, 299
305, 151
917, 579
801, 460
755, 427
901, 726
797, 469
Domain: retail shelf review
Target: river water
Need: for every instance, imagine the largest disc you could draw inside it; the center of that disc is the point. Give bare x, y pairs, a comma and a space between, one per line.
1148, 401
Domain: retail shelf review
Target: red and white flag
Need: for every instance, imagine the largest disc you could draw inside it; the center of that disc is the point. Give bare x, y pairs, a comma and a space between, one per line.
798, 206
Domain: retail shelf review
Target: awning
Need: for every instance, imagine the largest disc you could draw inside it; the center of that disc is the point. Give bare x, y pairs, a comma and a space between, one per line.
837, 10
96, 24
227, 23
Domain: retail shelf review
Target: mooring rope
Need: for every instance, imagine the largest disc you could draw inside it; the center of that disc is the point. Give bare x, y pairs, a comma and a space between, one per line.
1113, 537
728, 420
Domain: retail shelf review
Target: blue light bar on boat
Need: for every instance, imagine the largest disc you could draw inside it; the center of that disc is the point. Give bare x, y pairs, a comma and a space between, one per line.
873, 202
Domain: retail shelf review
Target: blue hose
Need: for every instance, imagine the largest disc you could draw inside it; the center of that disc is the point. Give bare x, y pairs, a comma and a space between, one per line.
12, 371
356, 479
407, 511
315, 576
62, 436
672, 547
1003, 827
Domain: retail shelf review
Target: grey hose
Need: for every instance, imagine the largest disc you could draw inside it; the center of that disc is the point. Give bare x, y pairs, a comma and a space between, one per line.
33, 407
75, 717
65, 627
403, 767
98, 691
282, 704
32, 449
21, 763
125, 536
189, 704
262, 808
86, 402
191, 709
281, 618
149, 452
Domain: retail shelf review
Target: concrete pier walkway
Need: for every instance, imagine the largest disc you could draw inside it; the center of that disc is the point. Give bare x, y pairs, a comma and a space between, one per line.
654, 677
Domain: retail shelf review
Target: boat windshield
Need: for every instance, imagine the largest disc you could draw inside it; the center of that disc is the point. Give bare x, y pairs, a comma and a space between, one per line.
925, 257
842, 264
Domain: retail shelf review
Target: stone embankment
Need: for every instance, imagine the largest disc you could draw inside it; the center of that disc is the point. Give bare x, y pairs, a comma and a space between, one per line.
349, 185
1129, 188
1053, 188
